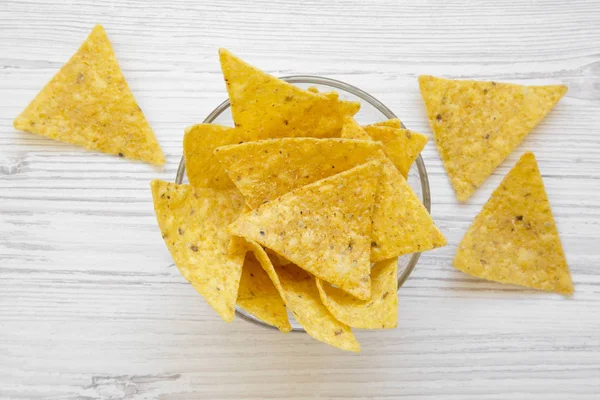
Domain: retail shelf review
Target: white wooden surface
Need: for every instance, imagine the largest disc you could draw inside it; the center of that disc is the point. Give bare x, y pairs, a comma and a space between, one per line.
91, 306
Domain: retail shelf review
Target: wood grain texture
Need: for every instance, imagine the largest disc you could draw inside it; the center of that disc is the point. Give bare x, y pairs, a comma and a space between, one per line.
91, 306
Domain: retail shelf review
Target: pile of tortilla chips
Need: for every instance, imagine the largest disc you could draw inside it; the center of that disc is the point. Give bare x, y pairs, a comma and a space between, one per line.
296, 210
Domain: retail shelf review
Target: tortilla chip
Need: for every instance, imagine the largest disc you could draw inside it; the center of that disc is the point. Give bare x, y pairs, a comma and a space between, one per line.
392, 123
323, 227
194, 227
477, 124
352, 130
514, 238
258, 296
202, 168
266, 107
401, 223
400, 145
349, 108
88, 103
300, 294
267, 169
379, 312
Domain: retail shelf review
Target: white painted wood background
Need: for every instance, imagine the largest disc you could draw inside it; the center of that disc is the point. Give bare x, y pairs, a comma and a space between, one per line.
91, 306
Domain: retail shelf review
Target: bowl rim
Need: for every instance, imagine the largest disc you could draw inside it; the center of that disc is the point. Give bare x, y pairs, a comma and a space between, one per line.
334, 83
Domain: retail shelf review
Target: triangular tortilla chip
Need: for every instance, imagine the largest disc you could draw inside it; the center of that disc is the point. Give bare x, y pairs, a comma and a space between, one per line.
401, 223
88, 103
514, 238
352, 130
477, 124
392, 123
400, 145
299, 292
267, 107
202, 168
194, 228
267, 169
259, 296
323, 227
379, 312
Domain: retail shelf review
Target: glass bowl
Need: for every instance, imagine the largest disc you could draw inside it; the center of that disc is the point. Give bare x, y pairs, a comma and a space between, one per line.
371, 111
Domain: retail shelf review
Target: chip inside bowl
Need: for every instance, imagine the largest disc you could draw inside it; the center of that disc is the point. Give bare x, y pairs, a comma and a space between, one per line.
380, 311
266, 169
299, 291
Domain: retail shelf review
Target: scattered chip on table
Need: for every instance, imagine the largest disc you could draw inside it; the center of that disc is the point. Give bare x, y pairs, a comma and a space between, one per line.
88, 103
259, 296
323, 227
400, 145
194, 227
202, 168
299, 292
267, 107
380, 311
514, 238
477, 124
267, 169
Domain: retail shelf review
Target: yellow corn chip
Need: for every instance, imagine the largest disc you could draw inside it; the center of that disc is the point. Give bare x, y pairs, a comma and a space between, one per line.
201, 166
236, 243
392, 123
266, 169
400, 145
258, 296
300, 294
267, 107
401, 224
477, 124
514, 238
193, 225
348, 108
379, 312
323, 227
88, 103
352, 130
